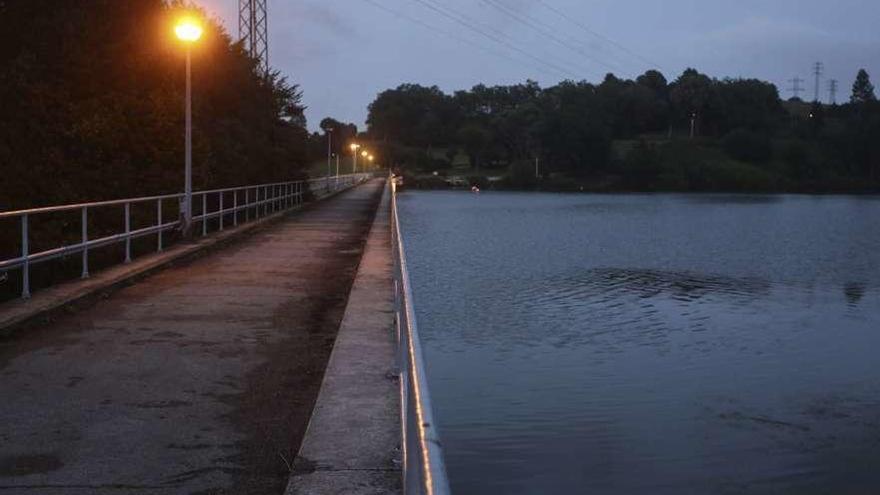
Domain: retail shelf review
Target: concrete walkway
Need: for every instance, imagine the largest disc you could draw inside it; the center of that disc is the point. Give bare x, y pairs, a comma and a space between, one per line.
199, 379
352, 445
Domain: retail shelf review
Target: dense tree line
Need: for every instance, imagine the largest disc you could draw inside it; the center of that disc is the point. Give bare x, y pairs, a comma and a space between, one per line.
636, 134
91, 105
92, 108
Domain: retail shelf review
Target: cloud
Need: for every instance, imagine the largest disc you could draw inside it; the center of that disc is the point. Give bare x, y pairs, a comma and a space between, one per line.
761, 30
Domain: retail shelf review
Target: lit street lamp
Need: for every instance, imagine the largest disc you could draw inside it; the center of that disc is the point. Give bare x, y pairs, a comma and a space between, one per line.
188, 30
354, 148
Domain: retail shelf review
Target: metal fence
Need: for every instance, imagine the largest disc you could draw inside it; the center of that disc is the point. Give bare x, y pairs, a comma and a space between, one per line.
229, 207
424, 470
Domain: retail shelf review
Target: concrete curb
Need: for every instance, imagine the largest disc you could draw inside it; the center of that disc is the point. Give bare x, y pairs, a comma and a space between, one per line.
44, 305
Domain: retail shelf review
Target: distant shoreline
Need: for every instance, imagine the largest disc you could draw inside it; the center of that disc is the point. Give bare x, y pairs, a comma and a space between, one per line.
607, 186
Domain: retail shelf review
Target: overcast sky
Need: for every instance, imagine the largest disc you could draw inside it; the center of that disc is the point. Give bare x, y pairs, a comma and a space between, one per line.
344, 52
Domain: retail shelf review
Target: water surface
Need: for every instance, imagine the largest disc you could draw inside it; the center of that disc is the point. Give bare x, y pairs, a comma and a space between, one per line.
651, 343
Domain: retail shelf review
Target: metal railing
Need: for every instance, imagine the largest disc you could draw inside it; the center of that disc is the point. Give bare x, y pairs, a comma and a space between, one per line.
424, 470
233, 206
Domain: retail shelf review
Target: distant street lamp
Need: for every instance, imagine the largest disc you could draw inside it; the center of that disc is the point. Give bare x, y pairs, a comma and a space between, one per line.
354, 148
188, 30
365, 154
329, 132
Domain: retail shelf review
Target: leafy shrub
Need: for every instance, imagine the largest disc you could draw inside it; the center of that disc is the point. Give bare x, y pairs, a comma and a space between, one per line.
748, 146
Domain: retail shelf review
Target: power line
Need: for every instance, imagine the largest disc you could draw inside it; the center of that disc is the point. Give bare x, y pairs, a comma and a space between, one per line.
818, 69
602, 37
481, 25
491, 37
541, 27
466, 41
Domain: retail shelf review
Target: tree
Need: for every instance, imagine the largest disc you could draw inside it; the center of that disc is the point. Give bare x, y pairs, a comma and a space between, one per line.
748, 146
102, 116
413, 115
747, 104
863, 90
474, 138
693, 94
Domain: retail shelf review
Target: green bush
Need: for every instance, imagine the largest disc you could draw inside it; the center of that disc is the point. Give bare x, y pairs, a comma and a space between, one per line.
521, 175
641, 169
748, 146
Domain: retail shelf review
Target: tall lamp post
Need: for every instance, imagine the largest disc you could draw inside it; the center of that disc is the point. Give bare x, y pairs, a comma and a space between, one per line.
354, 153
329, 132
188, 30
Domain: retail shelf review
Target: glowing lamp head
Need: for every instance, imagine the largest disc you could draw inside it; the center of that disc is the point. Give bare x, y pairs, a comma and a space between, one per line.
354, 146
188, 30
364, 154
370, 158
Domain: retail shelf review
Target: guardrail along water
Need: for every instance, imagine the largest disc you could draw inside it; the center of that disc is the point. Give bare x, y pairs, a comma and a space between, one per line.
424, 470
229, 207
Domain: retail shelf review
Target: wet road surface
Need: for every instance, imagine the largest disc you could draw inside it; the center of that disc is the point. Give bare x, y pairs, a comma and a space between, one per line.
199, 379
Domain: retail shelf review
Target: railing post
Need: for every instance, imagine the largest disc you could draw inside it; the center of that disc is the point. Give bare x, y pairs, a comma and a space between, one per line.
128, 232
221, 211
85, 241
235, 208
247, 204
26, 268
204, 214
159, 223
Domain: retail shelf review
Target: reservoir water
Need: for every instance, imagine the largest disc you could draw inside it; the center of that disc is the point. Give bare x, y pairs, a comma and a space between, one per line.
664, 344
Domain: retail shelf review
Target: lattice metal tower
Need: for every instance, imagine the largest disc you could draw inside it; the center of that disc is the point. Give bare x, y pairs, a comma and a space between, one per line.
796, 87
818, 70
253, 30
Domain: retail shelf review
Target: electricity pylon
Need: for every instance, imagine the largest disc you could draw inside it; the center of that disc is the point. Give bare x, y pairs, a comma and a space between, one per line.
253, 30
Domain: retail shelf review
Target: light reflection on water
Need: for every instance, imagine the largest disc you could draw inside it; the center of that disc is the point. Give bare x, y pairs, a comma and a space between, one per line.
662, 343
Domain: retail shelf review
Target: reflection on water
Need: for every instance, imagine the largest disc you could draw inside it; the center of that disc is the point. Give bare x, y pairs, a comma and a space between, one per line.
854, 293
651, 343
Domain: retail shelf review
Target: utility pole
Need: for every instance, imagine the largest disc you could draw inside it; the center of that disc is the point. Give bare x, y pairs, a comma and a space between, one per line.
253, 30
537, 173
832, 91
693, 124
818, 69
796, 87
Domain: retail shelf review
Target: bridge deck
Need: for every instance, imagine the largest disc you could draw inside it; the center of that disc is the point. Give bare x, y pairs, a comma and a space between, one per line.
199, 379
